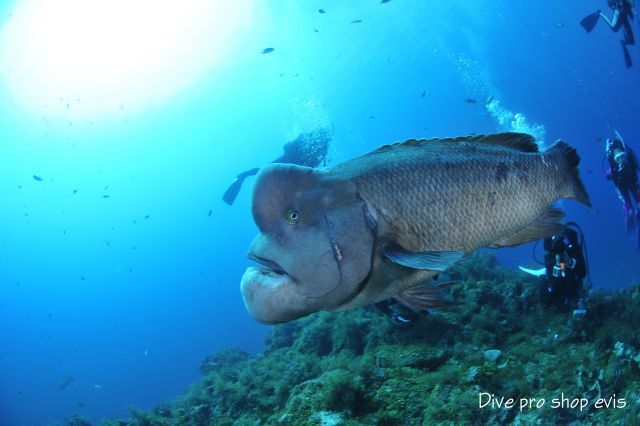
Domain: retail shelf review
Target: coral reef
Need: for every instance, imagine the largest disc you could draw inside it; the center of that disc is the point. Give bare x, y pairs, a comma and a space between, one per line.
356, 367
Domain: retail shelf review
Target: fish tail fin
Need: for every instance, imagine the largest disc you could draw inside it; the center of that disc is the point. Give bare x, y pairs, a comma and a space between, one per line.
572, 159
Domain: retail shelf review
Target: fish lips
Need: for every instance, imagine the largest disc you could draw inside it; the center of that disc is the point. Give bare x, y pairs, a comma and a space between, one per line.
270, 295
269, 265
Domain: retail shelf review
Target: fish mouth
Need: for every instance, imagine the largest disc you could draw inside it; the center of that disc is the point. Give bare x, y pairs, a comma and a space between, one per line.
268, 265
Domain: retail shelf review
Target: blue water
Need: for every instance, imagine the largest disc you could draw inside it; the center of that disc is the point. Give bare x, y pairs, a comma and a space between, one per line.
129, 305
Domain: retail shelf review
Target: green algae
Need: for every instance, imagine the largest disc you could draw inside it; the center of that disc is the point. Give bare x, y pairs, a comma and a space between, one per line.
355, 367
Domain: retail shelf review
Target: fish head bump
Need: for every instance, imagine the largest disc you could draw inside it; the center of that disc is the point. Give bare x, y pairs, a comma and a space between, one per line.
315, 245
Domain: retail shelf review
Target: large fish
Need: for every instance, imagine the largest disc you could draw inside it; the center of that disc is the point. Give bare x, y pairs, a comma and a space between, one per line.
383, 224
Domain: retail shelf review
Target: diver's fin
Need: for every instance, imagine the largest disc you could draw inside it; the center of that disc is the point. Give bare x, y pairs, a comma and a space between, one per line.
627, 57
424, 296
549, 223
572, 158
232, 192
517, 141
631, 225
535, 272
429, 260
589, 22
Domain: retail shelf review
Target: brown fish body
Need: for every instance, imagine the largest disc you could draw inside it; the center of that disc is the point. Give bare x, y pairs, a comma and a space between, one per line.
381, 225
458, 194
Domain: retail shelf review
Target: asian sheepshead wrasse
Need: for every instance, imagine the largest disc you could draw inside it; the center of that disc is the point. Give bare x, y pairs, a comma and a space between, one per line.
383, 224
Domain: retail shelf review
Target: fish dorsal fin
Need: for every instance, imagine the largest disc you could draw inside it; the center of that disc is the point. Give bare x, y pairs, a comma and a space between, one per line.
517, 141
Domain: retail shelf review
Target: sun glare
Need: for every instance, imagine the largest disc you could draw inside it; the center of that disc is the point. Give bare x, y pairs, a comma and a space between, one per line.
106, 53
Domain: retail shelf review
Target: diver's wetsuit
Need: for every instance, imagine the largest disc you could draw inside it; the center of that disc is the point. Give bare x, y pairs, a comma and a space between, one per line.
623, 172
623, 15
565, 269
308, 149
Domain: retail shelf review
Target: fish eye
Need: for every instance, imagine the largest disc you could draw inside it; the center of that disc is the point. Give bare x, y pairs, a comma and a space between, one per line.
292, 216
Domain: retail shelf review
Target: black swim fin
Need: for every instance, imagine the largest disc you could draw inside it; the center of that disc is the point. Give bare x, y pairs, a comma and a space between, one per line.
631, 225
627, 57
589, 22
232, 192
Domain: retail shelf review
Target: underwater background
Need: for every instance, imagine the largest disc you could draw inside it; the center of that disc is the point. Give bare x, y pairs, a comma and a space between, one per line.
119, 262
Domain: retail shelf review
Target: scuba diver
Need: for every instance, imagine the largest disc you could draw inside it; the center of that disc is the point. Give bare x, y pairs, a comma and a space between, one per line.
397, 313
623, 15
565, 268
623, 171
308, 149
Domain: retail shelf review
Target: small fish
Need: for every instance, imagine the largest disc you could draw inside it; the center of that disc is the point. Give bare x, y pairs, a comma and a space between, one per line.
356, 21
560, 25
267, 50
97, 386
147, 216
210, 213
424, 92
105, 196
489, 100
384, 1
75, 191
19, 186
146, 352
38, 178
66, 383
471, 101
321, 11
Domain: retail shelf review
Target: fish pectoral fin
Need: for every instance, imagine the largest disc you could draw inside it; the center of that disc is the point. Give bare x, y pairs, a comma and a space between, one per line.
428, 260
549, 223
424, 296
